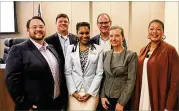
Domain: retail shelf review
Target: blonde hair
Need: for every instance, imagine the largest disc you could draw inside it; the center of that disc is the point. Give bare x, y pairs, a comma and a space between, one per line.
117, 27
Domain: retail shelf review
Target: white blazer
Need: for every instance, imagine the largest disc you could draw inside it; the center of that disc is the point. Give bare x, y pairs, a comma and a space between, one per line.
91, 79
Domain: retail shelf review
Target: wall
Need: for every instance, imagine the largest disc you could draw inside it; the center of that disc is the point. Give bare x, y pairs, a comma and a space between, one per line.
134, 17
171, 24
141, 14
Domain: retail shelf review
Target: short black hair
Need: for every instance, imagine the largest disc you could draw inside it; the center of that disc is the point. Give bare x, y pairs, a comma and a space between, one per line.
80, 24
62, 15
34, 17
157, 21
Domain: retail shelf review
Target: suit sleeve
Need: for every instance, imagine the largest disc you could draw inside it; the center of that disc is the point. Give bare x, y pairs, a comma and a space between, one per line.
173, 82
63, 86
68, 71
14, 76
94, 88
132, 70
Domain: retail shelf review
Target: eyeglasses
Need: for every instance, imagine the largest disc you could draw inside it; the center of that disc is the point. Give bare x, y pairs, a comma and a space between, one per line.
105, 23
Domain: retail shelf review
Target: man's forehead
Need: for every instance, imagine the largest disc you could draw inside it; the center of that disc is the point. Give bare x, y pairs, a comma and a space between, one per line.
36, 21
104, 17
62, 18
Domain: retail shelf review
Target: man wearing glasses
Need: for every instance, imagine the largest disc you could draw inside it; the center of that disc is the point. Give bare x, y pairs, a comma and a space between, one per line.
103, 22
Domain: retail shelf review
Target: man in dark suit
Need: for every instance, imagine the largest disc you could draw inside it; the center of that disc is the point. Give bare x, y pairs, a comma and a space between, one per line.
34, 72
62, 38
103, 22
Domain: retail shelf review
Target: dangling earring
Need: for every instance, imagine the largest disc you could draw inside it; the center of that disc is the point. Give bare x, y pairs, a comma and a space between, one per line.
163, 37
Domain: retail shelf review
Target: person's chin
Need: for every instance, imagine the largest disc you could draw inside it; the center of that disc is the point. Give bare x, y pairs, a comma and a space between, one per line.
63, 29
114, 45
85, 42
104, 31
39, 38
155, 40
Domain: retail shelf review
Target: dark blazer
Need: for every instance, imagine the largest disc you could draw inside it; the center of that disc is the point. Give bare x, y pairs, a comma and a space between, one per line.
95, 39
120, 82
29, 79
55, 41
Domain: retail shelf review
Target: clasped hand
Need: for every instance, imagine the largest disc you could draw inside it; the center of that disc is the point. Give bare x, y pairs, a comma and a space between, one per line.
81, 98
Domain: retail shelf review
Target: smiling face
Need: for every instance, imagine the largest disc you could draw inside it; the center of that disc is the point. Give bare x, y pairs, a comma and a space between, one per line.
155, 32
104, 24
116, 38
62, 24
36, 29
83, 35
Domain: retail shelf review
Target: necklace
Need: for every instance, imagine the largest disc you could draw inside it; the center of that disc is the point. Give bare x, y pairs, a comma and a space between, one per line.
149, 54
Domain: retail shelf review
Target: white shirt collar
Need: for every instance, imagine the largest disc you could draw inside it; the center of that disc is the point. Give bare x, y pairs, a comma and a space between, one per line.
59, 35
39, 46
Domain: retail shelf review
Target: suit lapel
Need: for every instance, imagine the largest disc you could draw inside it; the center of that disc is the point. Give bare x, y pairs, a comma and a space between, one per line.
107, 62
72, 38
56, 39
36, 52
77, 59
97, 40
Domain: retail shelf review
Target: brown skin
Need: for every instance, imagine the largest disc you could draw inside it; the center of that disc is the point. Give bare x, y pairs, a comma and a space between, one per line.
155, 33
84, 37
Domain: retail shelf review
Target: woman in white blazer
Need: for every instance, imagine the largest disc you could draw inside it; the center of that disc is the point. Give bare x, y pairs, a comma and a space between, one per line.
83, 70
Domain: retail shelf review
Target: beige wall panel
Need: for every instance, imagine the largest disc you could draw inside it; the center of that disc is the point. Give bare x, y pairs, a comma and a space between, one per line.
140, 19
24, 12
142, 14
120, 16
157, 10
171, 24
80, 13
134, 17
97, 8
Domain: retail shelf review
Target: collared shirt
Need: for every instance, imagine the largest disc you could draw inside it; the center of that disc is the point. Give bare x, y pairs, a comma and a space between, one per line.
65, 42
105, 44
53, 64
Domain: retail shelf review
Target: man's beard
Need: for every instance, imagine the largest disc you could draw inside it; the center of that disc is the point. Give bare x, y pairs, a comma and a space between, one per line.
37, 38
